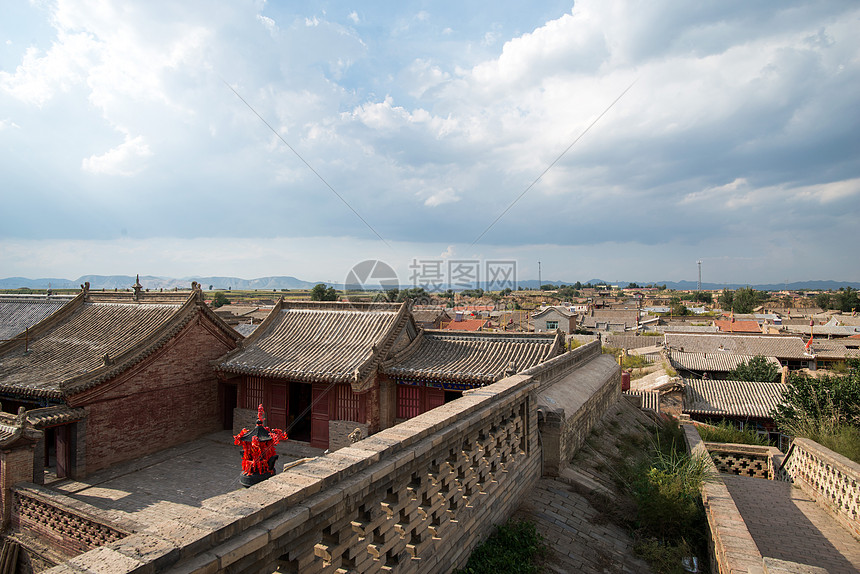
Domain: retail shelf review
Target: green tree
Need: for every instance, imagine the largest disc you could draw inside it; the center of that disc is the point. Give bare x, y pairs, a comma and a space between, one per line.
319, 292
755, 369
219, 299
679, 308
824, 300
547, 287
847, 299
726, 298
632, 286
812, 403
577, 285
744, 300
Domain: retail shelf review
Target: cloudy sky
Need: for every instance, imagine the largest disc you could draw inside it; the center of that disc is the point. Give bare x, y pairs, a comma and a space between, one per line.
127, 147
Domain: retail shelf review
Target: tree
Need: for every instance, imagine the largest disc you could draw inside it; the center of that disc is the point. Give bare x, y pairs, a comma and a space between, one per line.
319, 292
812, 403
547, 287
219, 299
746, 299
679, 308
726, 298
577, 285
756, 369
632, 286
824, 300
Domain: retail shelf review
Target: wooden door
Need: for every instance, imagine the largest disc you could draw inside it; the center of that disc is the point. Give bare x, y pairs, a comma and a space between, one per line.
64, 451
320, 415
277, 412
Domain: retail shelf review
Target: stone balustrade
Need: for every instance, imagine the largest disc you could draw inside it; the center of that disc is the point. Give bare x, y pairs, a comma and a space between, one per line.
745, 459
69, 527
831, 479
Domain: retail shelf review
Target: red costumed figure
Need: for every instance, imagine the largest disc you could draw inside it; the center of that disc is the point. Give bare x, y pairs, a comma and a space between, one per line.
258, 450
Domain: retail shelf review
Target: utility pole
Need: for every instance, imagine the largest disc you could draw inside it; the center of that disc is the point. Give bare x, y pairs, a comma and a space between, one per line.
539, 281
699, 285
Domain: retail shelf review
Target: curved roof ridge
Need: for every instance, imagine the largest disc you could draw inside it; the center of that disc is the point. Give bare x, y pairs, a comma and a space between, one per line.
136, 353
48, 322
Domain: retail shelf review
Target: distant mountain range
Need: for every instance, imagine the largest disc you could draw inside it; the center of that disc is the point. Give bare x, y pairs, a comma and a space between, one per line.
288, 282
151, 282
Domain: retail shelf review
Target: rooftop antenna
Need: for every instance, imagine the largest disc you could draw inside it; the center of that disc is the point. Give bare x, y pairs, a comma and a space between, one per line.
699, 284
539, 282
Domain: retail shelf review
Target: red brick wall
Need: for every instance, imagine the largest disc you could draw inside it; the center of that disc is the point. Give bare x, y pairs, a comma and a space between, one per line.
169, 398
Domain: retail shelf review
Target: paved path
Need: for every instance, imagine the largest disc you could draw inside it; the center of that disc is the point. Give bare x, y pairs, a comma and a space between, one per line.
787, 524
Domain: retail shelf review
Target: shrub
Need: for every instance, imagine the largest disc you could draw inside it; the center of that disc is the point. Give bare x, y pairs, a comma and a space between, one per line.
726, 432
514, 548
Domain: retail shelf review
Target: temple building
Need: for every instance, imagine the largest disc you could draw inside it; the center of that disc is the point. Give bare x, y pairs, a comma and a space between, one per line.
325, 371
112, 376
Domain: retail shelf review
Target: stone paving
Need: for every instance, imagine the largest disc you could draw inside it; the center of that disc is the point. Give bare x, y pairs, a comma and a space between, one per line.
787, 524
165, 484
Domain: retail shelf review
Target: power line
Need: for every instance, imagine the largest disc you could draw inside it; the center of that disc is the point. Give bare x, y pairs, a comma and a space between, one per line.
550, 166
310, 167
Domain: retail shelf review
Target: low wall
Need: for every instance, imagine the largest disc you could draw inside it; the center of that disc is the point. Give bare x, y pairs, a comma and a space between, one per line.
570, 407
832, 480
745, 459
69, 527
733, 549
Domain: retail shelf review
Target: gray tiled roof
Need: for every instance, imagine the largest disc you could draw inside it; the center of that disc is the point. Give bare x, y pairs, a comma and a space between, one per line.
334, 342
732, 398
836, 348
781, 347
719, 361
650, 399
17, 313
66, 352
468, 356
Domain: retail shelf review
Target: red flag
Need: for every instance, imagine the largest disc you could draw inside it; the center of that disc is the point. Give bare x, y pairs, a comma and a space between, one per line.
809, 342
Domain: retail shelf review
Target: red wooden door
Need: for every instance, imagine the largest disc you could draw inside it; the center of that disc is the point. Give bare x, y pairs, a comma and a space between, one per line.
277, 412
64, 451
320, 415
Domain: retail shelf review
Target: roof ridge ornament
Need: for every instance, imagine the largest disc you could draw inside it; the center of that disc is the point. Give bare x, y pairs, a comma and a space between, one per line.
137, 288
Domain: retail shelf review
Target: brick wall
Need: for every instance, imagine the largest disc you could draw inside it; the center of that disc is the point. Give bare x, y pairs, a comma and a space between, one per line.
169, 398
69, 527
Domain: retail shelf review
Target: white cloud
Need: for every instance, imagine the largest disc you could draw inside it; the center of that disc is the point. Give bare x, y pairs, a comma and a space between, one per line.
40, 76
354, 17
268, 24
441, 197
125, 159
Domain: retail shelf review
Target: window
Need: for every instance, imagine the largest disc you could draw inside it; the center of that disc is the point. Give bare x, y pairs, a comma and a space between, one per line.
253, 392
408, 401
347, 405
551, 325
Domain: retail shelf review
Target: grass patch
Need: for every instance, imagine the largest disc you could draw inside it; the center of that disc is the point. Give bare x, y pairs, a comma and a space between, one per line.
726, 432
669, 370
844, 439
634, 362
515, 548
665, 482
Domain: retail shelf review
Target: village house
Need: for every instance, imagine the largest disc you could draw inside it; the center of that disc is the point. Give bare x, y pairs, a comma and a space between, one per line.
554, 318
431, 318
611, 320
746, 405
134, 361
790, 351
